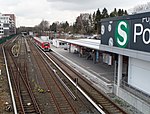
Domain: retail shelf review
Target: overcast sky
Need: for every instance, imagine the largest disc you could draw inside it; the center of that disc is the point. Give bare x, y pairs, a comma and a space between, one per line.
32, 12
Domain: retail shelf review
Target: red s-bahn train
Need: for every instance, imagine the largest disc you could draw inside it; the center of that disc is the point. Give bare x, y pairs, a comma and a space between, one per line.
43, 44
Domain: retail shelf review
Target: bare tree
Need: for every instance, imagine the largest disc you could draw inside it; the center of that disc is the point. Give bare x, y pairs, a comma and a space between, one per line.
141, 8
44, 25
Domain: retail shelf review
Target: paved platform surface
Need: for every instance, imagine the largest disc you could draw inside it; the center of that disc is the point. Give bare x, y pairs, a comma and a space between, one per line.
100, 74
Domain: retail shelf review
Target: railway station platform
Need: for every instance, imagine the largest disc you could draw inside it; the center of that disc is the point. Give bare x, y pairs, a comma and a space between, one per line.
100, 74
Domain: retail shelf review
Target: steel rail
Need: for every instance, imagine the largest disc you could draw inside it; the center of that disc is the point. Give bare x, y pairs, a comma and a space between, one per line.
51, 93
107, 107
10, 84
85, 95
57, 86
16, 85
27, 85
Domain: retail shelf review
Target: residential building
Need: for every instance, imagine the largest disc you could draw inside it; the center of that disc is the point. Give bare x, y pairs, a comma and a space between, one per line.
7, 24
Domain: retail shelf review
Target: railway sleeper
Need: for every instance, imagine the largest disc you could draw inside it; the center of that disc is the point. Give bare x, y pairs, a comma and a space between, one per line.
117, 112
109, 105
30, 111
65, 108
29, 108
101, 99
113, 111
104, 102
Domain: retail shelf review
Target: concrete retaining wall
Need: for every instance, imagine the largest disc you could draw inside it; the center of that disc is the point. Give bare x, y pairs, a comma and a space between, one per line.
139, 104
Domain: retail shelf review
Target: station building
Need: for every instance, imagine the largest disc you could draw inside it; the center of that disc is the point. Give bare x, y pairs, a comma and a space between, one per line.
124, 45
7, 24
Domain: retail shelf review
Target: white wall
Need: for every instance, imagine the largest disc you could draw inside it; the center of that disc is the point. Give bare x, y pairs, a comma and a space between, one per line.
133, 100
56, 42
59, 44
139, 74
73, 48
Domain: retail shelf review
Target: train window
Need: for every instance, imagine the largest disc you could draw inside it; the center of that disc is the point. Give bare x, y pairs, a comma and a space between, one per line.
46, 44
61, 43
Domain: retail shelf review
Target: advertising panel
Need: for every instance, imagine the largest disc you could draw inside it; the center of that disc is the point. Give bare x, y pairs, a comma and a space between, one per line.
131, 32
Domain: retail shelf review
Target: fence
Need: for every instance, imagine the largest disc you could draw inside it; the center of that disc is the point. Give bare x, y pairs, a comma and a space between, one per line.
4, 39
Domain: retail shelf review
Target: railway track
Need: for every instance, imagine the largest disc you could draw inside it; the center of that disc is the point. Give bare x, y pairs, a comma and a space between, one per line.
59, 100
51, 96
100, 99
24, 96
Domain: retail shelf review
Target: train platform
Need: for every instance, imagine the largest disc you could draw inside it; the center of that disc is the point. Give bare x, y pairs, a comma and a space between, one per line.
100, 74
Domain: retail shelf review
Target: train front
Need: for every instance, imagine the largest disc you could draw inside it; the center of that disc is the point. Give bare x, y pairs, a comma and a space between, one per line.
46, 46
